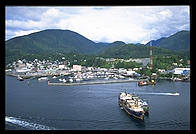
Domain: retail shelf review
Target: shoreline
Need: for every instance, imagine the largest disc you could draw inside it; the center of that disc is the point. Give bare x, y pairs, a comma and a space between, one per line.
24, 76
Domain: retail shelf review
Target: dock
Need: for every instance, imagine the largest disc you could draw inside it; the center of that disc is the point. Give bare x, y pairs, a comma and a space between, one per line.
94, 82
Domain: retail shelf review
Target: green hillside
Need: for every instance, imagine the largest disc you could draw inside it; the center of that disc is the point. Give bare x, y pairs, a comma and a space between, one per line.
55, 43
134, 51
52, 41
179, 41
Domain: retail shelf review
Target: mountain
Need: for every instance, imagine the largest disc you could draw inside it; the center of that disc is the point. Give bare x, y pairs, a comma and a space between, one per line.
133, 51
155, 42
52, 41
139, 44
116, 43
179, 41
103, 43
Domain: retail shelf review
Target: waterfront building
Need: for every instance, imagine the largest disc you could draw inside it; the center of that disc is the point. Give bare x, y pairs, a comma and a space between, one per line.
77, 68
131, 73
180, 70
22, 70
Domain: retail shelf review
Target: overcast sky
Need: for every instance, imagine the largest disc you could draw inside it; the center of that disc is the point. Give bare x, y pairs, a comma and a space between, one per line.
131, 24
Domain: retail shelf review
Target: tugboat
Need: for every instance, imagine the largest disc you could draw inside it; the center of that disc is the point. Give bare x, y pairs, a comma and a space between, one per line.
142, 83
145, 83
133, 105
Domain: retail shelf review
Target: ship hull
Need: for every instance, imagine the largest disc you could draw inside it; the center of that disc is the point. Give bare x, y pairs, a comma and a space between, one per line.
138, 115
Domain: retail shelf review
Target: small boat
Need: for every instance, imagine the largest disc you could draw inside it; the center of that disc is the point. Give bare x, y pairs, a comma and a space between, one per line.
177, 79
43, 78
64, 80
130, 103
70, 80
20, 78
54, 77
78, 79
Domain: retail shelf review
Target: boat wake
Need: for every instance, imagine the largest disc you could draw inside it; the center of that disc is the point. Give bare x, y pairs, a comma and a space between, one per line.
26, 124
170, 94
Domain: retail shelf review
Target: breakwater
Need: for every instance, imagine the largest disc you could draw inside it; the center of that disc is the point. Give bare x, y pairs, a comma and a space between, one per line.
94, 82
27, 76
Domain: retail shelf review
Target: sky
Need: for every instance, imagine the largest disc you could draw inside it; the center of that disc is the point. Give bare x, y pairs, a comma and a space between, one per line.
130, 24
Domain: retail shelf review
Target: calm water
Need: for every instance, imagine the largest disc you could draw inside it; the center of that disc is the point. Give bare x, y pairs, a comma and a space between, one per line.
33, 105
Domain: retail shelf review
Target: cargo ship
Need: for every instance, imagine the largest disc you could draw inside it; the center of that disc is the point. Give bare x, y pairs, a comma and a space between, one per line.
133, 105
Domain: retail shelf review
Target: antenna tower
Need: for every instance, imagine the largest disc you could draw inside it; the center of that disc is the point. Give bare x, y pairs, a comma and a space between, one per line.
151, 63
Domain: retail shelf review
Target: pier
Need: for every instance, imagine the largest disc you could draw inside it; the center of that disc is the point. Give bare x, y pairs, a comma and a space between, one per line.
94, 82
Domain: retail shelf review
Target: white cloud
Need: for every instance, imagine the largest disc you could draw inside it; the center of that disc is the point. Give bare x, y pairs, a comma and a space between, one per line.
20, 33
166, 14
125, 23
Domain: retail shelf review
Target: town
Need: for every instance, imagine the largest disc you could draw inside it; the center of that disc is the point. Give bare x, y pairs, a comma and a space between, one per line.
46, 69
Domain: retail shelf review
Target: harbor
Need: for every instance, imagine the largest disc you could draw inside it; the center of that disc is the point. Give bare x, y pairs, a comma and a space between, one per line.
94, 107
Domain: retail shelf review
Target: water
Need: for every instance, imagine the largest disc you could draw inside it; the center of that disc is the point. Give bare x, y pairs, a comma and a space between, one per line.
33, 105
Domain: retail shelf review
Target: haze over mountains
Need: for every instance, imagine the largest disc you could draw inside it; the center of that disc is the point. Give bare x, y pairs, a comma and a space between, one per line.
53, 41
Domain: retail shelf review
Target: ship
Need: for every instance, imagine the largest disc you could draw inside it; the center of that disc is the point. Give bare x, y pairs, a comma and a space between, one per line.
133, 105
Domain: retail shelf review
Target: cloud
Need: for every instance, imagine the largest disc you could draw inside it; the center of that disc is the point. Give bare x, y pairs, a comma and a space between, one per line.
101, 23
20, 33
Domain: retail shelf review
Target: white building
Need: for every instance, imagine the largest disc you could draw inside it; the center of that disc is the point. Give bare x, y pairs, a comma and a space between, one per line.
77, 67
130, 72
180, 70
20, 62
62, 67
161, 70
29, 65
22, 70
